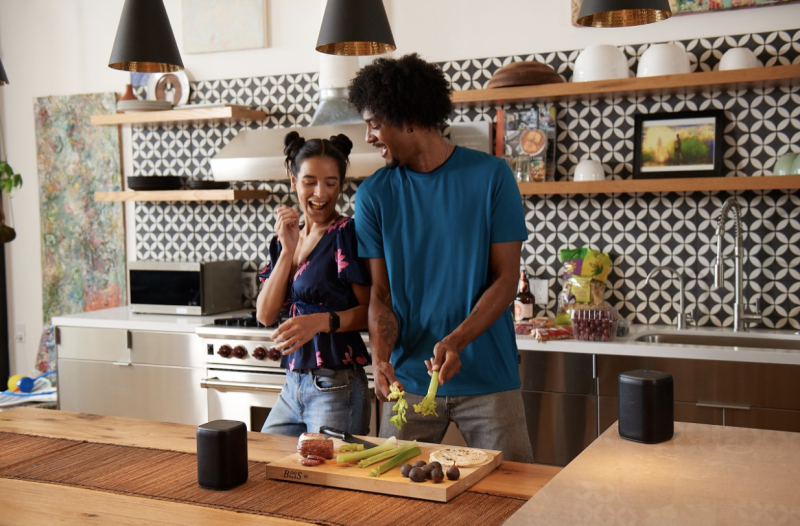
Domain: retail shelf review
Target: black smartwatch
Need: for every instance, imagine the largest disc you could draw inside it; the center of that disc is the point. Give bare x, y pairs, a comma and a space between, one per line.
334, 322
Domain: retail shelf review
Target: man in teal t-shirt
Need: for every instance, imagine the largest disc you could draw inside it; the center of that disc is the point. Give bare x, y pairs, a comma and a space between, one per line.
442, 228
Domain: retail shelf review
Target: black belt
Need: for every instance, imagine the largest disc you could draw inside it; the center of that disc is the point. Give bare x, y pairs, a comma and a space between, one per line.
324, 371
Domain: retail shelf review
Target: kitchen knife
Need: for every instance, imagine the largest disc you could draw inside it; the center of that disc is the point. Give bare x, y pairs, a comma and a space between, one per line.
347, 437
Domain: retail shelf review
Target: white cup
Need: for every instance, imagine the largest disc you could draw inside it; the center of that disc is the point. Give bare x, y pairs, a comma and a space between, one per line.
600, 62
738, 58
589, 170
663, 59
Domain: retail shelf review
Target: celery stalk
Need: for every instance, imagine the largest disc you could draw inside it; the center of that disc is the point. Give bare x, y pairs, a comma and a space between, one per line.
428, 404
390, 443
386, 454
395, 461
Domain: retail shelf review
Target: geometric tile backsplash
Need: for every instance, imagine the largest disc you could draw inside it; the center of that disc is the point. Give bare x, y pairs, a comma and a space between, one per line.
640, 231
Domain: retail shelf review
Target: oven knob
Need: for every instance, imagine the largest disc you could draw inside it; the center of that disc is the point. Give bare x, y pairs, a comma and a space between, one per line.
259, 353
274, 355
224, 351
239, 352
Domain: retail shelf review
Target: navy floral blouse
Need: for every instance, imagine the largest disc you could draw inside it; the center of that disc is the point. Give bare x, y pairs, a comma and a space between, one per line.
322, 283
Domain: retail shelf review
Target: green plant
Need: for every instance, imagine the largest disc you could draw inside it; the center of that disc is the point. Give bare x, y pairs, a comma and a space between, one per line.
8, 179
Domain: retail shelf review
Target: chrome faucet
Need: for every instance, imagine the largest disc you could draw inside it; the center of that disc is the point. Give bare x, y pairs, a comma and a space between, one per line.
740, 317
683, 317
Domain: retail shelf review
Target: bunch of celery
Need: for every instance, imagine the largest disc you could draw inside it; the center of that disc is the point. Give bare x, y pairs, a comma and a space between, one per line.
395, 454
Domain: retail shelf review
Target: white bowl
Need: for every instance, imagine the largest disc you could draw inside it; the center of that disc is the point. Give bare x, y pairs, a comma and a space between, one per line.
663, 59
600, 62
589, 170
738, 58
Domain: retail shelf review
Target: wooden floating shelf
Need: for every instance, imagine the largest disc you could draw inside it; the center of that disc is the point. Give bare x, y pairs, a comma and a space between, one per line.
182, 195
632, 186
229, 111
768, 77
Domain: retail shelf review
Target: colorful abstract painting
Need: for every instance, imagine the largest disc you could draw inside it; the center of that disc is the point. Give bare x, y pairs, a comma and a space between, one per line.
682, 7
83, 241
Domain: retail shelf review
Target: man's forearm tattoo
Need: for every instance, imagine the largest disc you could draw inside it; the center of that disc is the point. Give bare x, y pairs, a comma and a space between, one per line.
387, 328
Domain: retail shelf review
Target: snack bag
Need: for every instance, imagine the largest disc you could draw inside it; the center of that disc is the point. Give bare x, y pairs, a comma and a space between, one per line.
585, 272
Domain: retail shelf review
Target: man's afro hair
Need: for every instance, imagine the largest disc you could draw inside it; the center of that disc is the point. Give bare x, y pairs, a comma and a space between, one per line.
403, 91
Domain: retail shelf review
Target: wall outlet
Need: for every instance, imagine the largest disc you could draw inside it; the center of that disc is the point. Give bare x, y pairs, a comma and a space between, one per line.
249, 285
539, 289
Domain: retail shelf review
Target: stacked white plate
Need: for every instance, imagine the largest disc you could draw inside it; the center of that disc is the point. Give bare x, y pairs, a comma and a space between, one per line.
131, 106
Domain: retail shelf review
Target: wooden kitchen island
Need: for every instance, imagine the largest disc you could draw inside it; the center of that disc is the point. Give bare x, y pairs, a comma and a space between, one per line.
29, 502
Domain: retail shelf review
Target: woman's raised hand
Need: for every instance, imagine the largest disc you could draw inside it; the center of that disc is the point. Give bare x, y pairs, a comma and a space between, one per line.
287, 227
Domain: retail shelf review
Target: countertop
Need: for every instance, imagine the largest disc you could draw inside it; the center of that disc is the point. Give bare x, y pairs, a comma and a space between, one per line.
705, 475
25, 502
123, 318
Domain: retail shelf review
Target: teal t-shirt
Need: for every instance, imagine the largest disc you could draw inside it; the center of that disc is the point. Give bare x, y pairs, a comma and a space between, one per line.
435, 230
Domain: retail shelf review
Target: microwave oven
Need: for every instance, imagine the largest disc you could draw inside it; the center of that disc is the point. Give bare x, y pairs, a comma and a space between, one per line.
185, 287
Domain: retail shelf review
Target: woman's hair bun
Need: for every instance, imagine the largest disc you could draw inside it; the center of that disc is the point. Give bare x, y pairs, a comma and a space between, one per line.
292, 142
343, 143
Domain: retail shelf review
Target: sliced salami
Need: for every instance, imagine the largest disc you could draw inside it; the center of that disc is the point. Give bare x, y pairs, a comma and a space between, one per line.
310, 462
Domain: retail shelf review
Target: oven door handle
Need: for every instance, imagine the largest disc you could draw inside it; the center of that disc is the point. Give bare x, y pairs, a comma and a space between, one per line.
216, 383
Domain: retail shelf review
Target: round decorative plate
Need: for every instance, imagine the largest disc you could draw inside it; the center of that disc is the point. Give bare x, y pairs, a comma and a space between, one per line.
172, 87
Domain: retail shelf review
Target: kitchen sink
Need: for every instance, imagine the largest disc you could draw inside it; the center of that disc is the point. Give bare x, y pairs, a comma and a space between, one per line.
721, 340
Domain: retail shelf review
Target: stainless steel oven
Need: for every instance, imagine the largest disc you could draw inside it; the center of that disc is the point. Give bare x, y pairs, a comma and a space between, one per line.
243, 374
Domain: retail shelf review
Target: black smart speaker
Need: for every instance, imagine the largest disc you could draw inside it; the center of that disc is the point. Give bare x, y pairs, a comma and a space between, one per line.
222, 454
645, 406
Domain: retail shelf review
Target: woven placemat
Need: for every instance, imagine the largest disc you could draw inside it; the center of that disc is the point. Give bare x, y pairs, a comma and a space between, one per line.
172, 476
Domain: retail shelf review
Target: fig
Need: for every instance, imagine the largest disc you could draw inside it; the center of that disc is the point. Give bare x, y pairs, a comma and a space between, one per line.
419, 463
416, 475
404, 469
453, 473
437, 475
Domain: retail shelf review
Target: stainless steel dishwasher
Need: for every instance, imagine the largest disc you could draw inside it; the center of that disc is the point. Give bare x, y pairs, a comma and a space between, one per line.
559, 391
132, 373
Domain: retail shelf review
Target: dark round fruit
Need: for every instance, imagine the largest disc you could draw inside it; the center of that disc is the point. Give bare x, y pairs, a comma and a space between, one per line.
453, 473
437, 476
404, 469
416, 475
436, 464
419, 463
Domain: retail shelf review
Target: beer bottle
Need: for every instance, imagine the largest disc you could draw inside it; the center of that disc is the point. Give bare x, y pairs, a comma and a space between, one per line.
523, 303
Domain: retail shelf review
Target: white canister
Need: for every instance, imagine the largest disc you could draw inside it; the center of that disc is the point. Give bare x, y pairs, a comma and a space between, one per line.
589, 170
738, 58
600, 62
663, 59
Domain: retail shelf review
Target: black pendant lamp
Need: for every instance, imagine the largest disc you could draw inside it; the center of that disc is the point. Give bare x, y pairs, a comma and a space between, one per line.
622, 13
3, 76
145, 42
355, 28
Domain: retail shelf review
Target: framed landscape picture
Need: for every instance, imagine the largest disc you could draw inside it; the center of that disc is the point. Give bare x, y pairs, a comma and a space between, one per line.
683, 144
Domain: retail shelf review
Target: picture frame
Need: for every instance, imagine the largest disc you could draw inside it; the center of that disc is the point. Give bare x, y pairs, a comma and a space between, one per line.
679, 144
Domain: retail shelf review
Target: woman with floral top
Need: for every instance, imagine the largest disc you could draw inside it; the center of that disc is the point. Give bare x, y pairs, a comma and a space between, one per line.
314, 270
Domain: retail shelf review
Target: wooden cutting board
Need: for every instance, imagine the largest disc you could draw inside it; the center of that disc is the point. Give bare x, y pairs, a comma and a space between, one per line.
350, 476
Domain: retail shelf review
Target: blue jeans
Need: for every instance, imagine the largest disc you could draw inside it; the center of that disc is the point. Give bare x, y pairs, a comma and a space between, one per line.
308, 401
492, 421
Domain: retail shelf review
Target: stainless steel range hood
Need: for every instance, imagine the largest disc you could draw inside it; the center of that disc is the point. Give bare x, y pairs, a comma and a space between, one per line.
257, 155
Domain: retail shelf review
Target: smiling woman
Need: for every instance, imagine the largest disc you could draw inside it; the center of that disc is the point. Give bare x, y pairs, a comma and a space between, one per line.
314, 270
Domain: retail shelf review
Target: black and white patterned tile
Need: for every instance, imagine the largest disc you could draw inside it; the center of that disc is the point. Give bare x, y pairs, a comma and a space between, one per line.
639, 231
